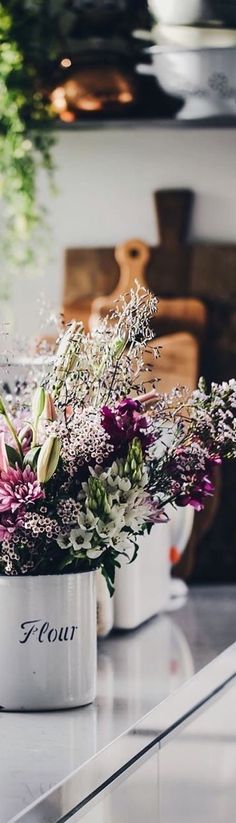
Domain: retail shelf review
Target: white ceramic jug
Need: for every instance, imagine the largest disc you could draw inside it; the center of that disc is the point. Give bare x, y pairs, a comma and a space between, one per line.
47, 641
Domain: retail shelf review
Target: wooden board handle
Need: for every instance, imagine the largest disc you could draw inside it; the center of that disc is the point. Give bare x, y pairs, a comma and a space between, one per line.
132, 258
174, 208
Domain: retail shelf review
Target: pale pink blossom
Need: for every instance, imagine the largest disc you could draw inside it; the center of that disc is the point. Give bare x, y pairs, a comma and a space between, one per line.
4, 464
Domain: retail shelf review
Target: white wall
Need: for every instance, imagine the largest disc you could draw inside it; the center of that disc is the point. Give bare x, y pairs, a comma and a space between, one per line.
105, 181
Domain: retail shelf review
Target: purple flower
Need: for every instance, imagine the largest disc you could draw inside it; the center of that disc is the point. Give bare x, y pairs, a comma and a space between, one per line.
192, 471
18, 490
156, 512
126, 421
196, 497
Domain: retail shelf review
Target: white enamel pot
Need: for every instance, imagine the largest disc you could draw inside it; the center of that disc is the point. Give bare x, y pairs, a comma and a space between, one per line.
48, 641
205, 78
177, 12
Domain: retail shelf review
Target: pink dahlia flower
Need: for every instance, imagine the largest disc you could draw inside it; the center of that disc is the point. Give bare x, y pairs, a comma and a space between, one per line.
18, 490
9, 523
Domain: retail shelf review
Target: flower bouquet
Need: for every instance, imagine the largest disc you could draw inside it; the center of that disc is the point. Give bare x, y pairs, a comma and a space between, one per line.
84, 472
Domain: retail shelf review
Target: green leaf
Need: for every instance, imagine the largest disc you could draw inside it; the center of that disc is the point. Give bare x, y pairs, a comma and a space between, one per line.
66, 561
110, 585
109, 565
30, 459
2, 407
136, 549
13, 456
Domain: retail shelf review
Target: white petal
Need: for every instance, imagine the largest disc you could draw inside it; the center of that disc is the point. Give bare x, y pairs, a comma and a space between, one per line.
93, 553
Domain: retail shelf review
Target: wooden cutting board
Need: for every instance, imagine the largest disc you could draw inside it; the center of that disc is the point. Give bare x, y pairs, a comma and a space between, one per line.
175, 268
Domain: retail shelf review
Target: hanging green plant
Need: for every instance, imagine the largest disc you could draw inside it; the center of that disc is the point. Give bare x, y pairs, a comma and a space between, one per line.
22, 149
35, 38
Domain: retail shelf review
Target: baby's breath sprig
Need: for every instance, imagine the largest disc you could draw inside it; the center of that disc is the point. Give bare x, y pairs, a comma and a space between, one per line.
108, 364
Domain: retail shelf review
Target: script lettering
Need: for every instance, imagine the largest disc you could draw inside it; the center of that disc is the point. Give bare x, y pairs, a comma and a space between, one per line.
42, 632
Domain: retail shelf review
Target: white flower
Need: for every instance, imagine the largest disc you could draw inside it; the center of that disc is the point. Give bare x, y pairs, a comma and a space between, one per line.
94, 553
123, 483
87, 520
137, 510
117, 514
64, 541
81, 541
133, 520
113, 477
108, 531
124, 544
114, 468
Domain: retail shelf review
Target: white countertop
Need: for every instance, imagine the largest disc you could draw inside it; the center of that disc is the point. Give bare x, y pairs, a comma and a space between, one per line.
137, 671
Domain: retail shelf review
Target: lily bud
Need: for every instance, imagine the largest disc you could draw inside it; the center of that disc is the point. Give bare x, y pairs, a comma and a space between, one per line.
49, 411
25, 435
66, 355
146, 398
4, 464
48, 458
67, 338
38, 402
118, 346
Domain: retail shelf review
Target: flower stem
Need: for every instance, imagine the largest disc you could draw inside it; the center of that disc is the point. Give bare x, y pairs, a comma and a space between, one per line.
13, 432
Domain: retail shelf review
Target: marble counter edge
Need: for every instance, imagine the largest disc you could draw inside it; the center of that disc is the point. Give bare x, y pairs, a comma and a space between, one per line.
153, 730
